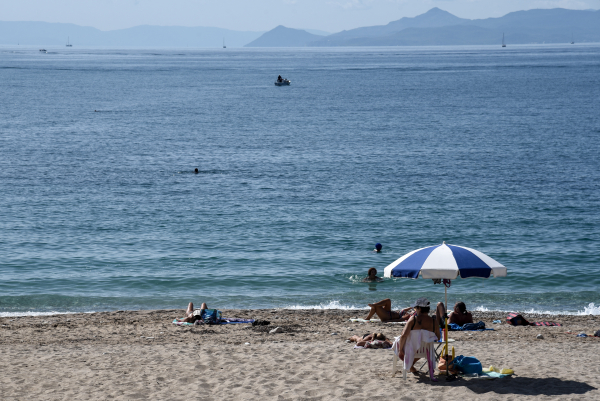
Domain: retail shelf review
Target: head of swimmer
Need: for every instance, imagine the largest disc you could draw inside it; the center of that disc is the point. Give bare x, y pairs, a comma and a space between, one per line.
372, 273
196, 171
378, 247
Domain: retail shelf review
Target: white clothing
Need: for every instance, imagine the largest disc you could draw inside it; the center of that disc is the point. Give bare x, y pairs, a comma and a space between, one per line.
412, 345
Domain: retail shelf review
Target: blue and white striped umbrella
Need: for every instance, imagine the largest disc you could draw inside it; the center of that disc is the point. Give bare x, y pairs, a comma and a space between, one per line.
445, 262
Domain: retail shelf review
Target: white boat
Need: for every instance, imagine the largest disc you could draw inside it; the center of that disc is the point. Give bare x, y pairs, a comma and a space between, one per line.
503, 44
283, 82
43, 50
68, 44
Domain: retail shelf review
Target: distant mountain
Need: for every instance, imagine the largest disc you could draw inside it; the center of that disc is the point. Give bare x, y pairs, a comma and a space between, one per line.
55, 34
431, 19
284, 37
318, 32
437, 27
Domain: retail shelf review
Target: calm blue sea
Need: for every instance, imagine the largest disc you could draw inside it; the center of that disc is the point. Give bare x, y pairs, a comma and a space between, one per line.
490, 148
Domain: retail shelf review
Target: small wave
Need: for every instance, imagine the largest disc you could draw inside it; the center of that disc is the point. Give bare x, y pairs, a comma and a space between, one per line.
31, 313
591, 309
330, 305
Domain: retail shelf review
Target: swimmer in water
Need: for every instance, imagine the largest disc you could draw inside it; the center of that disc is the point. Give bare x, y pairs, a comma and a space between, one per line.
195, 171
372, 276
378, 247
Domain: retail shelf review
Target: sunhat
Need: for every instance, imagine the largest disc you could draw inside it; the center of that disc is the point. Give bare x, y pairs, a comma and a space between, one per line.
421, 302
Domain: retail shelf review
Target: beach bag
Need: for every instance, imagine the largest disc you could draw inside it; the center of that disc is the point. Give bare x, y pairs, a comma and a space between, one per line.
211, 316
516, 320
442, 365
467, 364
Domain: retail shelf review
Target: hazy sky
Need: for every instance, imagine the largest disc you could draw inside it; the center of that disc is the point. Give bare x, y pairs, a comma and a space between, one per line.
259, 15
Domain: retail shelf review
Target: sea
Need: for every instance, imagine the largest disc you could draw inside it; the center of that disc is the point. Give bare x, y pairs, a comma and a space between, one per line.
491, 148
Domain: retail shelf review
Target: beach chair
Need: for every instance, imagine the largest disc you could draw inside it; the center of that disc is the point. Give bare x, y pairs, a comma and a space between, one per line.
424, 350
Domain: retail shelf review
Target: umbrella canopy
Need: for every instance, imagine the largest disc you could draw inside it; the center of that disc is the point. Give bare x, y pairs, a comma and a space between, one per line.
445, 262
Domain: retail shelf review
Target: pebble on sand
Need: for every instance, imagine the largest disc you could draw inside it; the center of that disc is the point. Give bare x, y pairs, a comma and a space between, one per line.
540, 337
276, 330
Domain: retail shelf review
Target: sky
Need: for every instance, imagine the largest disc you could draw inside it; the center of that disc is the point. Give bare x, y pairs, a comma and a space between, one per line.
260, 15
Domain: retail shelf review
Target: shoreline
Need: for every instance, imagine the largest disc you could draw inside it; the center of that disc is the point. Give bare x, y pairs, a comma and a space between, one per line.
496, 314
126, 355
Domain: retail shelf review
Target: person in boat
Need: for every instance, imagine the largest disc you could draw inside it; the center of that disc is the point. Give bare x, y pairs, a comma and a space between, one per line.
420, 327
192, 315
384, 311
372, 276
279, 79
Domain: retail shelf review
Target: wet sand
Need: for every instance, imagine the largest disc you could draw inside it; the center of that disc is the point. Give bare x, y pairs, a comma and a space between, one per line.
130, 355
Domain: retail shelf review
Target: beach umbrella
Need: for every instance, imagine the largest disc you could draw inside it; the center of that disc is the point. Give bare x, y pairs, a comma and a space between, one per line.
445, 262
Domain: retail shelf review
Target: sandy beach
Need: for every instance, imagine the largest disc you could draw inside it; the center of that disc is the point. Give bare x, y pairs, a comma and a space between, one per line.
129, 355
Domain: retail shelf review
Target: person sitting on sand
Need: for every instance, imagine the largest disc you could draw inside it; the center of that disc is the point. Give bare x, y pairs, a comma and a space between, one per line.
361, 341
420, 327
460, 315
192, 315
372, 276
383, 309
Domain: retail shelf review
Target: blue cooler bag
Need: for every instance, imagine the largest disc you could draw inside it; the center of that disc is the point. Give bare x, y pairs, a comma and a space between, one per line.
467, 364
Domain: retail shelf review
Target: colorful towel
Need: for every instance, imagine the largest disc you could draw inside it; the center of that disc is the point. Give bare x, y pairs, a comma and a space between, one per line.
468, 327
545, 324
225, 320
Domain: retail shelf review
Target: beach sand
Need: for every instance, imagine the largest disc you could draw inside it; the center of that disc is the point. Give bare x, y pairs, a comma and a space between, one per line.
142, 355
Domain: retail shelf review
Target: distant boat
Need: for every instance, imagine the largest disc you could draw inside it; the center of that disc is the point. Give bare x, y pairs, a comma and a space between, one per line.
503, 44
68, 44
282, 81
224, 47
43, 50
572, 41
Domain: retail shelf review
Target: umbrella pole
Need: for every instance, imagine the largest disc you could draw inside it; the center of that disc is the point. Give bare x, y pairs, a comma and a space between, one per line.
446, 329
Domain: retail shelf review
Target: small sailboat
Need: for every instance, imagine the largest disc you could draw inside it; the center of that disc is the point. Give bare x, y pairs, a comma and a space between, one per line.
224, 47
503, 44
68, 44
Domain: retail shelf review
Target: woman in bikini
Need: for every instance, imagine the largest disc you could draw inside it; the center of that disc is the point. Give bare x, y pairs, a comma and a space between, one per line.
383, 309
192, 315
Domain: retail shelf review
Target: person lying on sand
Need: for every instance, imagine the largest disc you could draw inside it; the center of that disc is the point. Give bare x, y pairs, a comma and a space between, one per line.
192, 315
420, 327
361, 341
383, 309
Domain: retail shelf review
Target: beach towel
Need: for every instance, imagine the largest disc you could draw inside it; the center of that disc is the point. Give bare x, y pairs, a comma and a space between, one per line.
224, 320
365, 321
545, 324
468, 327
375, 321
